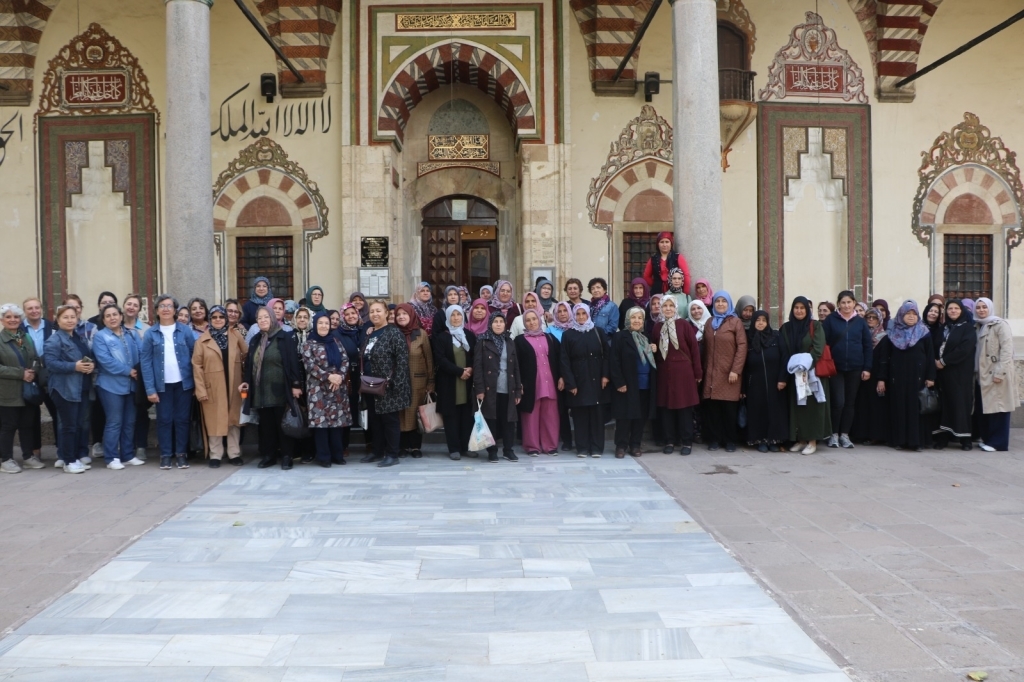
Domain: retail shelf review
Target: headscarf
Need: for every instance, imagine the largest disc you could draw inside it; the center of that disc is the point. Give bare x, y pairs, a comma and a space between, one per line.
644, 297
669, 334
264, 341
969, 304
425, 310
458, 333
643, 345
679, 289
364, 314
863, 306
498, 339
586, 326
270, 307
937, 327
478, 327
331, 342
599, 302
302, 334
539, 309
707, 299
309, 299
966, 317
444, 301
345, 326
489, 288
877, 332
469, 301
414, 322
498, 305
540, 324
746, 300
699, 324
545, 303
554, 313
758, 340
718, 318
261, 300
219, 335
903, 336
992, 317
884, 307
656, 317
798, 329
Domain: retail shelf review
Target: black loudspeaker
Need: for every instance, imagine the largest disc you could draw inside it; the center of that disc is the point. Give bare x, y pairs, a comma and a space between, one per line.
652, 85
268, 87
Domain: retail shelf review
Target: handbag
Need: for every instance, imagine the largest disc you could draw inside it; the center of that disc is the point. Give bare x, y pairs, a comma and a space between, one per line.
31, 394
196, 435
294, 423
824, 367
929, 400
429, 419
371, 385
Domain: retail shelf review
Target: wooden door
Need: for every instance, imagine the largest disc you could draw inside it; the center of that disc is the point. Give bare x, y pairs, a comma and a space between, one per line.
479, 264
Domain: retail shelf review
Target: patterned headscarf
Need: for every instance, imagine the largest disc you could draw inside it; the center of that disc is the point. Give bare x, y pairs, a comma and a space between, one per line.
878, 331
669, 333
261, 300
679, 289
425, 310
656, 317
458, 333
554, 313
478, 326
220, 336
414, 322
586, 326
495, 303
643, 345
903, 336
498, 339
464, 300
718, 318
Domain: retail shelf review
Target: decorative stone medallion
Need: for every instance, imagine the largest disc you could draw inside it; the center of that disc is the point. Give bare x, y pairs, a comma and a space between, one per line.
813, 65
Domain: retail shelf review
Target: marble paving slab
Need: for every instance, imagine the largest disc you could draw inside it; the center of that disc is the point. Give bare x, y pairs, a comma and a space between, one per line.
565, 570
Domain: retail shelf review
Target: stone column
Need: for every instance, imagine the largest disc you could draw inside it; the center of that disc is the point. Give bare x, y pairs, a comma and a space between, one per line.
188, 202
697, 150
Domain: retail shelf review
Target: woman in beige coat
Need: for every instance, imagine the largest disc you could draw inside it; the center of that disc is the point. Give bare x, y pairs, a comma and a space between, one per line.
725, 354
995, 393
421, 375
217, 369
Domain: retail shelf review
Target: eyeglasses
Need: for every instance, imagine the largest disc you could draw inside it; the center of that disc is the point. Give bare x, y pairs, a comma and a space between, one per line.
165, 306
217, 317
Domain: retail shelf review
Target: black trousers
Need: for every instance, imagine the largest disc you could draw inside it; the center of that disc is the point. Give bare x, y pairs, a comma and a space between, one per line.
843, 389
16, 419
458, 426
629, 432
564, 424
678, 425
501, 428
721, 421
37, 422
589, 423
410, 440
97, 422
386, 430
330, 446
273, 442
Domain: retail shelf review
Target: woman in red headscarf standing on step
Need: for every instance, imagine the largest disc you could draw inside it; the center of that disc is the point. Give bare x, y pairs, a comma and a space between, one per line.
656, 272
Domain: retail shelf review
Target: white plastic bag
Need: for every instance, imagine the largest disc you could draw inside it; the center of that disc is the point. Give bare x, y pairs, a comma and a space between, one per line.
480, 437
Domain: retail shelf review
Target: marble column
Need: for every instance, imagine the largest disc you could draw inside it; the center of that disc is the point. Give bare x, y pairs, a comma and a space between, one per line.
188, 203
697, 150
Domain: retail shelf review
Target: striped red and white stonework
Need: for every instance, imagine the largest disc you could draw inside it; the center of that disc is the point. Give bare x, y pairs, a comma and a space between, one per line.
21, 27
303, 29
264, 197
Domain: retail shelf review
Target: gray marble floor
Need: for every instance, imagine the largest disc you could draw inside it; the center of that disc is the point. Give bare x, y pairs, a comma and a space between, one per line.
550, 569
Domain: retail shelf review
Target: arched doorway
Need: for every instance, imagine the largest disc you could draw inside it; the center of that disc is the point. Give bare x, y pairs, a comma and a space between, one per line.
460, 243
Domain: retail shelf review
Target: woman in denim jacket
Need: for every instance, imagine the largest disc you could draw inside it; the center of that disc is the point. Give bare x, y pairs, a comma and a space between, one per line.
69, 385
117, 353
169, 385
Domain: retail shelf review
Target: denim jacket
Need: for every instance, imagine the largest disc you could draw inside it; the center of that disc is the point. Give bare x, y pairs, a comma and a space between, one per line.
116, 360
152, 354
607, 319
60, 355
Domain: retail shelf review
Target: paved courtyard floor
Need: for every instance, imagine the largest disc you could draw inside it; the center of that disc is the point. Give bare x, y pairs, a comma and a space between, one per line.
550, 569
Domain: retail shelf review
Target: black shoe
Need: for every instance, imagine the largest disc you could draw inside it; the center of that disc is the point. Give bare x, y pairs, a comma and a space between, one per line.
235, 461
730, 447
471, 455
266, 462
214, 464
659, 443
967, 447
667, 449
182, 462
388, 462
286, 463
338, 460
454, 456
165, 461
369, 459
762, 448
568, 447
325, 465
492, 458
774, 448
511, 456
685, 450
403, 454
712, 445
416, 454
307, 459
553, 453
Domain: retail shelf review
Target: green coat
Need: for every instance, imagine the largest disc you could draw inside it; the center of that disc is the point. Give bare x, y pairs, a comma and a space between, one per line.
12, 374
812, 421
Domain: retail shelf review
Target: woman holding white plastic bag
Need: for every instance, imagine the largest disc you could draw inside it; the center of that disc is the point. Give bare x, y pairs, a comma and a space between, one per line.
497, 385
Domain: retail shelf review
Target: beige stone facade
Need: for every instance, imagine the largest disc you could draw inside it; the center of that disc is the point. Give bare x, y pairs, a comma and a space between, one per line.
348, 155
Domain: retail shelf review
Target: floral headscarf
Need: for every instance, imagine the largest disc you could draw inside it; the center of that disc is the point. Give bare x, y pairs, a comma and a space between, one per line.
554, 313
498, 339
878, 331
669, 334
496, 303
903, 336
261, 300
644, 298
586, 326
643, 346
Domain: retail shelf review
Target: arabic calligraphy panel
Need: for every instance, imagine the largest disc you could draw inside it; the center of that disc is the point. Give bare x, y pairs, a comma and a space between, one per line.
815, 79
447, 147
95, 88
455, 21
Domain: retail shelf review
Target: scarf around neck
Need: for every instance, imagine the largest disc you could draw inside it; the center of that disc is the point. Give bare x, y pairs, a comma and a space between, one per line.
220, 336
331, 342
497, 339
425, 310
669, 335
545, 303
643, 345
644, 297
414, 322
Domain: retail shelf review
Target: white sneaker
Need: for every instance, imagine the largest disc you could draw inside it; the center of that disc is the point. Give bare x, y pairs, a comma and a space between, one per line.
59, 464
135, 462
87, 459
9, 466
986, 448
33, 463
74, 468
97, 450
115, 464
810, 449
797, 446
140, 454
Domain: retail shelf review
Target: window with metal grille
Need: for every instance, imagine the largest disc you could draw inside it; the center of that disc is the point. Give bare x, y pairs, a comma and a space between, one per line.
968, 265
269, 257
637, 249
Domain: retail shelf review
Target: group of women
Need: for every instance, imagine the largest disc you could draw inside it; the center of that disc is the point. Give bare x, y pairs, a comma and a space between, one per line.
548, 372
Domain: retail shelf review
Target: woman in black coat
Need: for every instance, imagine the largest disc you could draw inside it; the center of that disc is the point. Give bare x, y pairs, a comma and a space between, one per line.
352, 333
955, 364
911, 368
584, 371
632, 370
767, 406
539, 356
271, 369
453, 347
385, 355
497, 385
871, 419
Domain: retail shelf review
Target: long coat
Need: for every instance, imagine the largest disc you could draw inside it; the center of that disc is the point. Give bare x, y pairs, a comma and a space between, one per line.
12, 373
956, 379
388, 358
584, 361
486, 363
767, 406
909, 368
813, 420
995, 359
527, 358
289, 361
421, 376
448, 372
725, 351
622, 366
680, 371
224, 403
871, 416
328, 408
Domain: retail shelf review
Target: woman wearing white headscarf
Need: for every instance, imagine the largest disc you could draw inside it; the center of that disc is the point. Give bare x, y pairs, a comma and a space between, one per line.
453, 348
996, 391
584, 370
